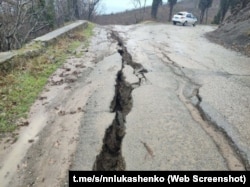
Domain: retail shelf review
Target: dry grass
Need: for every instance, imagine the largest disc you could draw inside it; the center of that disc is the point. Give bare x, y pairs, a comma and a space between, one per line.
21, 85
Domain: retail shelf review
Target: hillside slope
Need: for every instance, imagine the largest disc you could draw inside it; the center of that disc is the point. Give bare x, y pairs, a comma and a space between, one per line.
133, 16
234, 33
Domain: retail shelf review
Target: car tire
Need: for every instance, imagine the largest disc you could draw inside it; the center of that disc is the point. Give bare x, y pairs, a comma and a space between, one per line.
185, 23
174, 22
194, 24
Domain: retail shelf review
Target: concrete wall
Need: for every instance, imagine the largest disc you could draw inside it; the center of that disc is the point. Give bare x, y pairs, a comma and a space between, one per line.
36, 46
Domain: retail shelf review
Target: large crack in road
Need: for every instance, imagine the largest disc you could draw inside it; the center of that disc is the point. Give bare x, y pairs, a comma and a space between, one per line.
191, 112
110, 157
229, 151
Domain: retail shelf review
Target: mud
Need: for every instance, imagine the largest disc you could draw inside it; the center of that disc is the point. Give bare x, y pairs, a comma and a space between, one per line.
142, 97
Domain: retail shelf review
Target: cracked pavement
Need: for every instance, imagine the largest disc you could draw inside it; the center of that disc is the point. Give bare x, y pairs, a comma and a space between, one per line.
146, 97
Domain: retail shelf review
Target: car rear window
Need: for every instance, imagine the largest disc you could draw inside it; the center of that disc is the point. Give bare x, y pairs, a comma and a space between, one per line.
180, 14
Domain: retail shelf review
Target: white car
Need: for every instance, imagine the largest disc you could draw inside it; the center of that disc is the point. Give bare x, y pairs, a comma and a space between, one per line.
184, 18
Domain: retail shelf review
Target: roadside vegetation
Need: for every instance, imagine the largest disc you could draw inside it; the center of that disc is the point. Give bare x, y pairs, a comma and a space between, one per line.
23, 20
21, 85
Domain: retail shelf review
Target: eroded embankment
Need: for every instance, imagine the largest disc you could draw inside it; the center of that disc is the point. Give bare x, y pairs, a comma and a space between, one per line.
110, 157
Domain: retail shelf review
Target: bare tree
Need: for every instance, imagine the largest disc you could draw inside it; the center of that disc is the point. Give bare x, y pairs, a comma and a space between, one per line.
204, 5
141, 6
88, 9
76, 9
171, 6
92, 8
23, 20
20, 20
223, 9
63, 10
155, 6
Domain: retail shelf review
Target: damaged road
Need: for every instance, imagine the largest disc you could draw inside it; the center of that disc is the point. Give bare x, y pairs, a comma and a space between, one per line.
143, 97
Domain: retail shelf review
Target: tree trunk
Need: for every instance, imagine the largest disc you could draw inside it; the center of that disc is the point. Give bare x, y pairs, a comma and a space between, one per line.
155, 6
170, 13
75, 8
206, 15
201, 17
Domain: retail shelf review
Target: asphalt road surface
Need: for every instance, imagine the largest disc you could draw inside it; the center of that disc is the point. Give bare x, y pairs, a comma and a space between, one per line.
142, 97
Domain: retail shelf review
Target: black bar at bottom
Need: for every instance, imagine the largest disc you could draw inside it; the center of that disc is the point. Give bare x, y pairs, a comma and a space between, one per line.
80, 178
